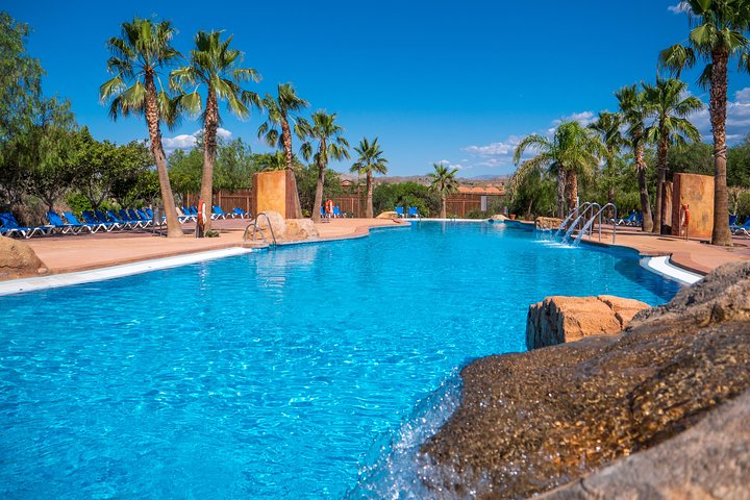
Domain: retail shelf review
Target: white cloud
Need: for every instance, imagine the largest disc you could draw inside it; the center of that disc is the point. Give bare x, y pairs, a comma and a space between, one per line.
584, 118
680, 8
187, 141
738, 118
449, 164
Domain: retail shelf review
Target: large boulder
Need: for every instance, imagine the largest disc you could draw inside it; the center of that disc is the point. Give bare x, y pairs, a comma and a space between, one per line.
300, 229
547, 223
18, 260
388, 215
278, 224
528, 423
499, 218
557, 320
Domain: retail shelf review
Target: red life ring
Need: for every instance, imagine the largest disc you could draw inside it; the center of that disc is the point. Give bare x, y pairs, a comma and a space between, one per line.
201, 213
685, 216
329, 207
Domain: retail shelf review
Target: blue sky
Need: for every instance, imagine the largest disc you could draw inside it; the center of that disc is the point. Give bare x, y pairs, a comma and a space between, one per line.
453, 81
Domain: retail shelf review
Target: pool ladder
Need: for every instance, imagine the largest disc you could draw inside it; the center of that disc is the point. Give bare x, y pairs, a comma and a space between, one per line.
257, 229
578, 215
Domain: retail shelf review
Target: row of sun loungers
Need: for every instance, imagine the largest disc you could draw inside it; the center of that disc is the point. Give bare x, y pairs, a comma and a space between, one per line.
95, 221
739, 229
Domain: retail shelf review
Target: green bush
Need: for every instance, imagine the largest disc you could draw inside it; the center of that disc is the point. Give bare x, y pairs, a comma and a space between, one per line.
743, 207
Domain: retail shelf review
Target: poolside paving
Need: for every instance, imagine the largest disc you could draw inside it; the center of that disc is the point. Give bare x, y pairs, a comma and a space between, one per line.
67, 253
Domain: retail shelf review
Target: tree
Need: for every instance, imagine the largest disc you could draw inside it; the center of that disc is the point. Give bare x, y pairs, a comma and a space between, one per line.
139, 56
213, 64
669, 102
370, 161
281, 114
330, 145
634, 112
716, 36
608, 126
573, 150
443, 183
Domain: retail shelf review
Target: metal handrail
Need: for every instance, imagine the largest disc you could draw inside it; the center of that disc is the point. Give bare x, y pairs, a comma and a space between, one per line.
578, 220
254, 224
598, 214
573, 213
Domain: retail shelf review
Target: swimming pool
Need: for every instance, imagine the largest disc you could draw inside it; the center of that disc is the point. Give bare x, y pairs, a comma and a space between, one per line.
268, 375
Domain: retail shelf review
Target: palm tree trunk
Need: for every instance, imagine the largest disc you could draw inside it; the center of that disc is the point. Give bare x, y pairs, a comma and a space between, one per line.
369, 213
561, 192
443, 203
174, 230
321, 179
286, 137
640, 165
718, 110
571, 188
660, 208
209, 154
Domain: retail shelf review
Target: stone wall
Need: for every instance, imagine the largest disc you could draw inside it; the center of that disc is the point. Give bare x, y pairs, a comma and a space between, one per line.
551, 223
276, 192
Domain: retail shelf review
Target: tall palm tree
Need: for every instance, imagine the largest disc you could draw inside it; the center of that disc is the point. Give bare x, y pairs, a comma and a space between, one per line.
669, 102
444, 183
213, 64
572, 150
139, 56
634, 112
717, 34
331, 145
609, 127
370, 161
281, 114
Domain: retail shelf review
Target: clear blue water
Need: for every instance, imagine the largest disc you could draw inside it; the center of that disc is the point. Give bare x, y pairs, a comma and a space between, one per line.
269, 375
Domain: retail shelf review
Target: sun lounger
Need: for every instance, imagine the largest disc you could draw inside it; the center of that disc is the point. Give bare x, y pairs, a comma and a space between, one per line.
336, 212
413, 212
125, 224
90, 218
400, 211
9, 226
629, 220
220, 214
743, 229
65, 227
134, 222
241, 213
73, 220
135, 216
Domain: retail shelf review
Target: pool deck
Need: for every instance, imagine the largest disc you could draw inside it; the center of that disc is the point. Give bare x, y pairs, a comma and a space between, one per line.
67, 253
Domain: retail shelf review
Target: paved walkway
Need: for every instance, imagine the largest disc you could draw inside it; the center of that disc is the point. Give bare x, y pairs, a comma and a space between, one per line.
67, 253
692, 255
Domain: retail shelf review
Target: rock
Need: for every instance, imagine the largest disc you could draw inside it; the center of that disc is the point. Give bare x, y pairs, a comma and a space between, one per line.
388, 215
531, 422
499, 218
300, 229
711, 460
18, 260
547, 223
557, 320
277, 223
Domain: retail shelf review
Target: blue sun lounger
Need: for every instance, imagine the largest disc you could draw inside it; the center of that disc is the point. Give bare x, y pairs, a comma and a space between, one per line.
135, 222
73, 220
413, 212
91, 219
400, 211
59, 224
11, 227
123, 223
241, 213
743, 229
218, 213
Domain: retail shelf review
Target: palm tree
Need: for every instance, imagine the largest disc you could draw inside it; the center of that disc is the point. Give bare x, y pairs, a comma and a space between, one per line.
608, 126
139, 56
213, 64
444, 183
370, 161
634, 112
281, 111
572, 150
717, 35
669, 102
330, 145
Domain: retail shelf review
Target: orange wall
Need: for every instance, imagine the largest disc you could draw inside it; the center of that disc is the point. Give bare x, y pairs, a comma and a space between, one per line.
696, 191
276, 191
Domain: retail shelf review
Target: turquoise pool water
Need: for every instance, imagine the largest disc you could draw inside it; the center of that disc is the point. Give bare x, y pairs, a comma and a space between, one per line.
271, 375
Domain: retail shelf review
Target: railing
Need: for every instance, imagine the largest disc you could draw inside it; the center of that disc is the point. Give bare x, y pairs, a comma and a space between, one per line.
589, 224
575, 223
573, 213
254, 224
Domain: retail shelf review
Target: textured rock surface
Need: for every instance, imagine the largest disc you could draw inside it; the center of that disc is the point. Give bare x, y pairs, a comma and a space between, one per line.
277, 223
711, 460
388, 215
499, 217
300, 229
551, 223
18, 260
534, 421
557, 320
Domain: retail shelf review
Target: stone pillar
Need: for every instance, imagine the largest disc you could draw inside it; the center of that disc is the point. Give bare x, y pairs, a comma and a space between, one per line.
276, 191
697, 192
667, 216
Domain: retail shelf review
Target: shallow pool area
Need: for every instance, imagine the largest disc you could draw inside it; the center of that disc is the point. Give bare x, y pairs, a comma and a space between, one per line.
279, 374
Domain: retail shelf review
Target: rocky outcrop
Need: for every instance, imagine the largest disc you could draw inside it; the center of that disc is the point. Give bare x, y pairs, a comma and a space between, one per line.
300, 229
499, 218
277, 223
711, 460
18, 260
557, 320
388, 215
531, 422
547, 223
